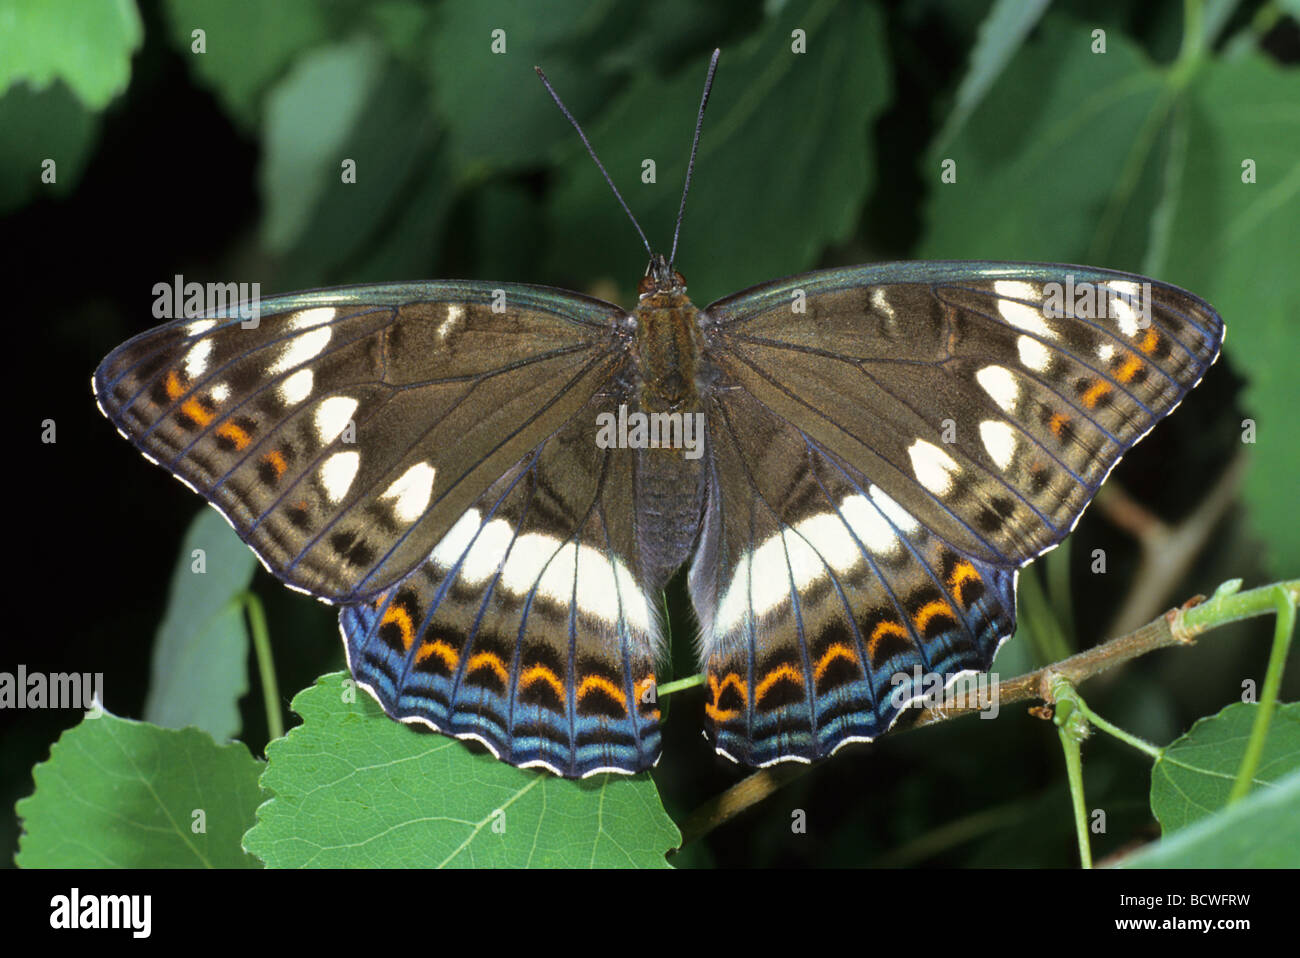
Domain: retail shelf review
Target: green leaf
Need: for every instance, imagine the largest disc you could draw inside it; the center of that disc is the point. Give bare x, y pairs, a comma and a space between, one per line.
200, 655
332, 228
1234, 243
1260, 831
1194, 775
783, 166
1058, 114
49, 125
1000, 35
310, 117
351, 787
248, 44
122, 794
497, 113
86, 43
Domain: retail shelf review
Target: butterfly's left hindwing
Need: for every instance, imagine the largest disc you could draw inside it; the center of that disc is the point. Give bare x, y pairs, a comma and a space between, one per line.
347, 430
529, 628
888, 445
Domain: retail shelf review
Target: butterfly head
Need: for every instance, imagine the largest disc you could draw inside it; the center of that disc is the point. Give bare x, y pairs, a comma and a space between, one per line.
660, 277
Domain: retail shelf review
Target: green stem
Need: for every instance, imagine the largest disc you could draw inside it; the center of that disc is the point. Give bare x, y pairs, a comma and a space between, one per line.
1282, 631
1142, 745
677, 685
1072, 728
265, 664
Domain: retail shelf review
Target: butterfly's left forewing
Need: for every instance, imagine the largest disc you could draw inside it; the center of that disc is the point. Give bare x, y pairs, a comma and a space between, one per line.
911, 434
347, 430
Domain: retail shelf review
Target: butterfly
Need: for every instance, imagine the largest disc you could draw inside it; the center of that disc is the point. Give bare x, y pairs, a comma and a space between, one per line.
494, 481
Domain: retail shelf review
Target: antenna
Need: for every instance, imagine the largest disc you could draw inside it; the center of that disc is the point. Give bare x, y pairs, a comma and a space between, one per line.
695, 145
601, 166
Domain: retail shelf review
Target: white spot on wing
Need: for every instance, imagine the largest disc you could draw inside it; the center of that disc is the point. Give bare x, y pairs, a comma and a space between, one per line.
1001, 385
831, 538
337, 473
636, 610
1021, 315
219, 392
299, 350
1000, 441
558, 579
333, 416
900, 517
1033, 353
297, 387
199, 327
456, 541
881, 302
1120, 307
411, 492
869, 525
312, 317
455, 316
489, 548
197, 358
1125, 287
933, 467
732, 608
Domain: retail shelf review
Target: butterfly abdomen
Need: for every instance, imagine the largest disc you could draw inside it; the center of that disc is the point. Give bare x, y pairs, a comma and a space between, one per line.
669, 471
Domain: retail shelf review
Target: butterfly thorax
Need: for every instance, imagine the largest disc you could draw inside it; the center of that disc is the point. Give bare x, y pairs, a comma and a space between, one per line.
667, 341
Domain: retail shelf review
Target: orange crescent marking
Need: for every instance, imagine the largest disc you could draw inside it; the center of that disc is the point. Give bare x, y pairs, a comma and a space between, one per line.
1149, 342
719, 715
396, 613
962, 573
486, 660
711, 708
439, 648
785, 671
732, 679
837, 650
1095, 393
606, 686
235, 433
1130, 369
887, 627
540, 673
928, 611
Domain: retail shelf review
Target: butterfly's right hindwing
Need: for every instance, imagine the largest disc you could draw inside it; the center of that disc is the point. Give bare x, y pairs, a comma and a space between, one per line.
345, 432
531, 627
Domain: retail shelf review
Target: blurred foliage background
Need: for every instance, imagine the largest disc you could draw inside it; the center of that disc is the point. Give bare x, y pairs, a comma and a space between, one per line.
224, 165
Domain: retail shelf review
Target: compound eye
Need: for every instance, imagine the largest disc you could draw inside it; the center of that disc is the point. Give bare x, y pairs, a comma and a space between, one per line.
647, 285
